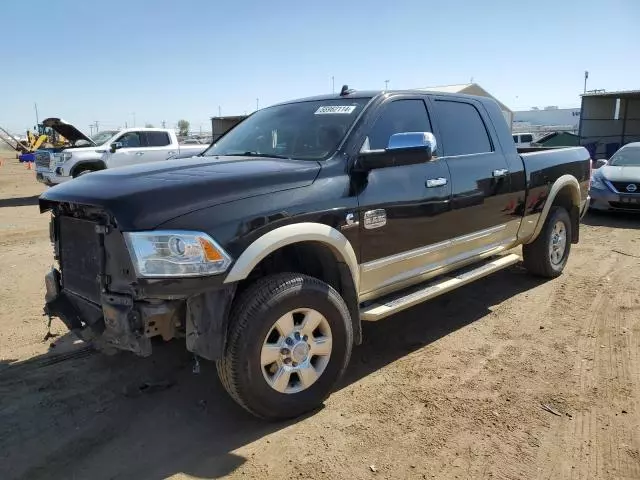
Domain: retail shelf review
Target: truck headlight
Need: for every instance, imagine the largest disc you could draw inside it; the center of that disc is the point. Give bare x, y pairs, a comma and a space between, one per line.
168, 253
65, 157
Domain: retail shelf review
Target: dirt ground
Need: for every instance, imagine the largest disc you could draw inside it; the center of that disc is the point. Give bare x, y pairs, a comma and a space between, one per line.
450, 389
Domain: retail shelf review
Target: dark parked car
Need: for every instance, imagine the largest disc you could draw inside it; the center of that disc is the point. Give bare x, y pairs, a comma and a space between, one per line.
268, 250
616, 184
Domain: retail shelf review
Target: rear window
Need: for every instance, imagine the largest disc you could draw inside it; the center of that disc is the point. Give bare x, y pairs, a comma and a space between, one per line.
157, 139
462, 129
526, 138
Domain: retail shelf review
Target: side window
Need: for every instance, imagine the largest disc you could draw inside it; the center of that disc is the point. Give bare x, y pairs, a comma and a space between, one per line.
527, 138
462, 129
131, 140
515, 138
157, 139
397, 117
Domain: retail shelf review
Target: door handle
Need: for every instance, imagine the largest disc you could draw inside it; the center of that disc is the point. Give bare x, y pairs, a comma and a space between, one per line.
501, 172
435, 182
170, 153
139, 153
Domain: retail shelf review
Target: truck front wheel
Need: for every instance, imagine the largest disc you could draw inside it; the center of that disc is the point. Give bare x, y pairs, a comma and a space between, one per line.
547, 255
289, 342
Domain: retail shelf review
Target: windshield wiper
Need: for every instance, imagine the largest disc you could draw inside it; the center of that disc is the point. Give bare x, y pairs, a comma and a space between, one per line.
256, 154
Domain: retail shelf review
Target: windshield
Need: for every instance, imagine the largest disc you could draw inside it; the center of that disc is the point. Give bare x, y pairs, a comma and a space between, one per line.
626, 157
101, 137
304, 130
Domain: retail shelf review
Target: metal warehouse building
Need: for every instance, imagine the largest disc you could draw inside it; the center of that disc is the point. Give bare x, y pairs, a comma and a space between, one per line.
608, 121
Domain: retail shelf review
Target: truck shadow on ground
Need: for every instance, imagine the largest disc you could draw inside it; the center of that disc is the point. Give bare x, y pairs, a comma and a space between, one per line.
612, 219
19, 201
83, 419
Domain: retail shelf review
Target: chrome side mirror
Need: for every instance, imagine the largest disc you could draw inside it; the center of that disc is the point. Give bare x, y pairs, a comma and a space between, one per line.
407, 148
116, 146
411, 140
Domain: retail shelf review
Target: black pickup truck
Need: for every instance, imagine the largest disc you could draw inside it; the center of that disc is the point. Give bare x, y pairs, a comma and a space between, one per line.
266, 252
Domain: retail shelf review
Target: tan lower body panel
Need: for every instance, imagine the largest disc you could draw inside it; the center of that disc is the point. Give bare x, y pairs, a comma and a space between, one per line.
397, 272
404, 300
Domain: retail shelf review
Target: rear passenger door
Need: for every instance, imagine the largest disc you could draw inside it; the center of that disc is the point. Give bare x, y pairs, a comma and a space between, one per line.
159, 146
481, 199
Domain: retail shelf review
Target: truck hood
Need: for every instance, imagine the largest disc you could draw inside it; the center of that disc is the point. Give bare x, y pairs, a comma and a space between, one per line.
620, 174
67, 130
141, 197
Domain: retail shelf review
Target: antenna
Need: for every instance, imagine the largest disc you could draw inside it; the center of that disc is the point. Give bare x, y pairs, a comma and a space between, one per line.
346, 90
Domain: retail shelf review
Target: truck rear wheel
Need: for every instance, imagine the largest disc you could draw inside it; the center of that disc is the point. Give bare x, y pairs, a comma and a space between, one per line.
290, 339
547, 255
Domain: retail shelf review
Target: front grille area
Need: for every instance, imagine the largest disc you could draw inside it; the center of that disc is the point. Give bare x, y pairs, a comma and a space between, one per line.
43, 159
622, 186
79, 250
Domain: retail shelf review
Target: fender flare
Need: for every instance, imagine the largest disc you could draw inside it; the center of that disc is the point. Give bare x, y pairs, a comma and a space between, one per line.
562, 182
290, 234
84, 162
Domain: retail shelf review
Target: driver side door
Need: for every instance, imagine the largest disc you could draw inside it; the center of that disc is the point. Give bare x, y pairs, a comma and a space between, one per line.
402, 209
132, 151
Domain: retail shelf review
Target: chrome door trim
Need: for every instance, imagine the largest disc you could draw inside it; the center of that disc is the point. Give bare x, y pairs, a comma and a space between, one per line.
426, 272
399, 257
479, 234
385, 275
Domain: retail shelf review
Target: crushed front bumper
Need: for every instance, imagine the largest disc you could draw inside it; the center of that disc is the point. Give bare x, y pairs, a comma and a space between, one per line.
124, 323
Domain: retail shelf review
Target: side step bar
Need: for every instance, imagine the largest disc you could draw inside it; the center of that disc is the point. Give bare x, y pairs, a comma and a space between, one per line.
393, 304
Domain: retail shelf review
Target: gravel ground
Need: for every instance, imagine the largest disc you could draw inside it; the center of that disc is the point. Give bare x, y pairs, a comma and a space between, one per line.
456, 388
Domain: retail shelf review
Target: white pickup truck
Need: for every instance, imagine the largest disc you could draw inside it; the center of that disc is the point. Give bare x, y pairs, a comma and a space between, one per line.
107, 149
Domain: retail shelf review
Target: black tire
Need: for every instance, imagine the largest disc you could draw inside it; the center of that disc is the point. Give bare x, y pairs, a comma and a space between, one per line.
537, 258
252, 318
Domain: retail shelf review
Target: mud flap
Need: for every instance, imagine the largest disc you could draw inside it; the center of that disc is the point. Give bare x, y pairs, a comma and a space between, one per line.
207, 322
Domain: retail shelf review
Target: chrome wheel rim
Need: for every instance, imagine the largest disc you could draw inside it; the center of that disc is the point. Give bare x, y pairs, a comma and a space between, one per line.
558, 243
296, 350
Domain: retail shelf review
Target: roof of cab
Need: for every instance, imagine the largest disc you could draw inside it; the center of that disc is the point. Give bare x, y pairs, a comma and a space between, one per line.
374, 93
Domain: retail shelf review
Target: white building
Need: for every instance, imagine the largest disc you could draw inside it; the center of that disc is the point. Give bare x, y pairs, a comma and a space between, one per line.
547, 119
473, 89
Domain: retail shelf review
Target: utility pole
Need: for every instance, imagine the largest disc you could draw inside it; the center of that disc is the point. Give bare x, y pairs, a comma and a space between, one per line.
164, 124
125, 124
586, 75
91, 128
35, 105
257, 104
96, 124
333, 84
386, 85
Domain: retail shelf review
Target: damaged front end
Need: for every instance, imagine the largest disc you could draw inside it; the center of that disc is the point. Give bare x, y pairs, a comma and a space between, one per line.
97, 293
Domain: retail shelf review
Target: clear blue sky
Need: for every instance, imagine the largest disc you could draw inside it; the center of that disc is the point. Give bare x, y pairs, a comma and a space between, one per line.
85, 60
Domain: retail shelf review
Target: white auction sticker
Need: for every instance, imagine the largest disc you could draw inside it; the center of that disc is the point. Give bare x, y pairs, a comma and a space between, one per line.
330, 109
